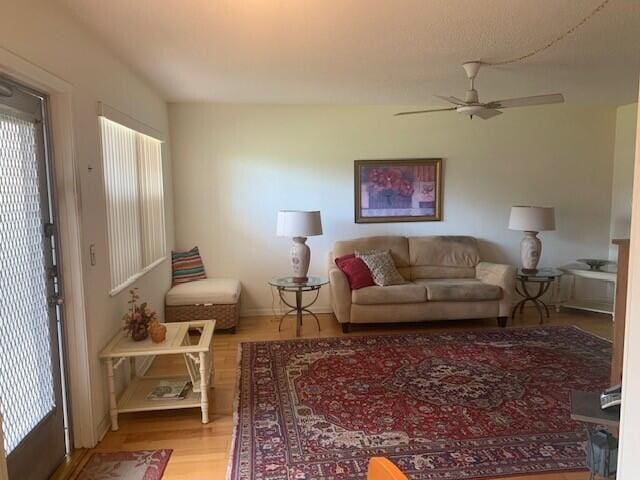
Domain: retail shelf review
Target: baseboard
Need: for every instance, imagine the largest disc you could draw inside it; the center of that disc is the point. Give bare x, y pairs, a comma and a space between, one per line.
103, 427
268, 311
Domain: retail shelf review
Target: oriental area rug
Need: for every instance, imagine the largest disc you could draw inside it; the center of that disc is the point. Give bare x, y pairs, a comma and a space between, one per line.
458, 405
132, 465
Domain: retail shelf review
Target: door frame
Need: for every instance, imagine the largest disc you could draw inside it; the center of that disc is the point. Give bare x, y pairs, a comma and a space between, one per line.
51, 436
628, 460
4, 474
67, 193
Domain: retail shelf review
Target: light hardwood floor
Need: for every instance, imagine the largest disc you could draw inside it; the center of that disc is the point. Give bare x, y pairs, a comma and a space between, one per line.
202, 451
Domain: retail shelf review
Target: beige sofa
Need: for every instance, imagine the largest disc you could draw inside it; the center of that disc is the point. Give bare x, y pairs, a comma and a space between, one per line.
446, 280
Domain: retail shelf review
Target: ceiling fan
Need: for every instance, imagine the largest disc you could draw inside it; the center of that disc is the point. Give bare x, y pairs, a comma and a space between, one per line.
472, 106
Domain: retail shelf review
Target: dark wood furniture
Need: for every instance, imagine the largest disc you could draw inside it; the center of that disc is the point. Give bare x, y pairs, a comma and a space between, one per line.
585, 407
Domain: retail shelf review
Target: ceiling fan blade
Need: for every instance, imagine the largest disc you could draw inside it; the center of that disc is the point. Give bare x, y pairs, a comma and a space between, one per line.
454, 100
528, 101
487, 113
424, 111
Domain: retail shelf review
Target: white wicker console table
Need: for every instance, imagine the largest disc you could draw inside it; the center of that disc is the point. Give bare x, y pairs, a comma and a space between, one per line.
577, 270
198, 360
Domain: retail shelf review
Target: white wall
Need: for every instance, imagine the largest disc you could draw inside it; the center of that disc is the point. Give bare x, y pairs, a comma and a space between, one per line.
236, 165
41, 33
622, 187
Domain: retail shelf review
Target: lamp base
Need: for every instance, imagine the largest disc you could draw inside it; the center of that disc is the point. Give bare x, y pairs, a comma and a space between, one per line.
300, 254
530, 251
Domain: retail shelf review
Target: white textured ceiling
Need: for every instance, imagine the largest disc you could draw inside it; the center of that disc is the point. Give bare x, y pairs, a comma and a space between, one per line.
369, 51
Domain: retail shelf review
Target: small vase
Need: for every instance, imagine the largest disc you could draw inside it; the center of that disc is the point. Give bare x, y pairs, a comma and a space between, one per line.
139, 334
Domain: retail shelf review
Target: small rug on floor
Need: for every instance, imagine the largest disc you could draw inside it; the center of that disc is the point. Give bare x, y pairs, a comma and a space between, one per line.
136, 465
457, 405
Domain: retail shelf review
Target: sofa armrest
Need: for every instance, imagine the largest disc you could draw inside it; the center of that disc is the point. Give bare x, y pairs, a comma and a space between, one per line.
504, 276
340, 294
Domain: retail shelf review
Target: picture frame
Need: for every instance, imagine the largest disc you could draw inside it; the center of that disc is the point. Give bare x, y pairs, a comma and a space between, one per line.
398, 190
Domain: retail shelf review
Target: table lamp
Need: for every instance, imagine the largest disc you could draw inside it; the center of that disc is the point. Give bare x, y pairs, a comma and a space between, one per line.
531, 220
299, 225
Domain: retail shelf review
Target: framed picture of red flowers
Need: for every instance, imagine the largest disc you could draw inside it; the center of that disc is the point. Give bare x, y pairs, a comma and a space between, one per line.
403, 190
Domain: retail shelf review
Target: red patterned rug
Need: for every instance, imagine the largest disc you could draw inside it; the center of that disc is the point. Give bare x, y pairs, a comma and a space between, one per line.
455, 405
135, 465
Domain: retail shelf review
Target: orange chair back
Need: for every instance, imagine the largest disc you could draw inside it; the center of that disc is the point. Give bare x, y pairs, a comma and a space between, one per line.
381, 468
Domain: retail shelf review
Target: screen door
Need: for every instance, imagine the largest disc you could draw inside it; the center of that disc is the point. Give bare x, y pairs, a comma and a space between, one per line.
31, 395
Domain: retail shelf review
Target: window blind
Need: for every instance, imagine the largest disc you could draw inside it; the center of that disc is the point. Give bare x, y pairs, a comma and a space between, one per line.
132, 166
152, 199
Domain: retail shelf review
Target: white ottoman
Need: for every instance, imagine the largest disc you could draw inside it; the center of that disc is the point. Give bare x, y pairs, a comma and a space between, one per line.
211, 298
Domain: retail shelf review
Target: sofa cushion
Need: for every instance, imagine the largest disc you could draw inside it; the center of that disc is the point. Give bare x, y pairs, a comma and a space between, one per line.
356, 271
444, 251
459, 290
376, 295
219, 291
383, 270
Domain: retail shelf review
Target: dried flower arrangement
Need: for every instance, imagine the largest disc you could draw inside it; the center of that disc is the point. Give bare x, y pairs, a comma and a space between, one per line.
139, 317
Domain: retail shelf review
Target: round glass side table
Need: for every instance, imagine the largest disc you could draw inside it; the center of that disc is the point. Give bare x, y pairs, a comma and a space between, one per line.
288, 284
544, 278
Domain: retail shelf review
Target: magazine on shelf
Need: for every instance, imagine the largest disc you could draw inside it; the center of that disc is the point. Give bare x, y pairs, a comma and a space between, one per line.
168, 390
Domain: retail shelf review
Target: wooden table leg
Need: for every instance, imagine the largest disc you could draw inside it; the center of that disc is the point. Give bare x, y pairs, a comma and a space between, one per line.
204, 387
113, 403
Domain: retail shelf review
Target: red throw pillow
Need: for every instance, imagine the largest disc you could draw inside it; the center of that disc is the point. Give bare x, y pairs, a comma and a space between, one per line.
357, 272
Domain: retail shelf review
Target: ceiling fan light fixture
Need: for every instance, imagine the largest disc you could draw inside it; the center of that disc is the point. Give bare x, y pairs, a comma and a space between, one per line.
470, 109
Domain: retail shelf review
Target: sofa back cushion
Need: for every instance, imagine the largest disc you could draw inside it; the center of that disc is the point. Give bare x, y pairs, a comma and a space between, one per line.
443, 256
397, 245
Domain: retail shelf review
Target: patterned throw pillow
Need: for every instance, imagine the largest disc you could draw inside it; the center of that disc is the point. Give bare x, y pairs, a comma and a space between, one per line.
383, 270
187, 266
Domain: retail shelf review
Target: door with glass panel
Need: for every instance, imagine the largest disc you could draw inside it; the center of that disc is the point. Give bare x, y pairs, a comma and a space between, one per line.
31, 382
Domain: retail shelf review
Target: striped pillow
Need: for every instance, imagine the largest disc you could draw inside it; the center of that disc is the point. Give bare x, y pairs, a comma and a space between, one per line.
187, 266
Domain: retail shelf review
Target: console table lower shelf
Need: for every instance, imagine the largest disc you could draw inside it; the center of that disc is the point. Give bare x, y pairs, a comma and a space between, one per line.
198, 362
134, 398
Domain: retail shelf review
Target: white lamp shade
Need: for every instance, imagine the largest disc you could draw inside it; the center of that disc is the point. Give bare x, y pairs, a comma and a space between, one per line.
295, 223
532, 219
